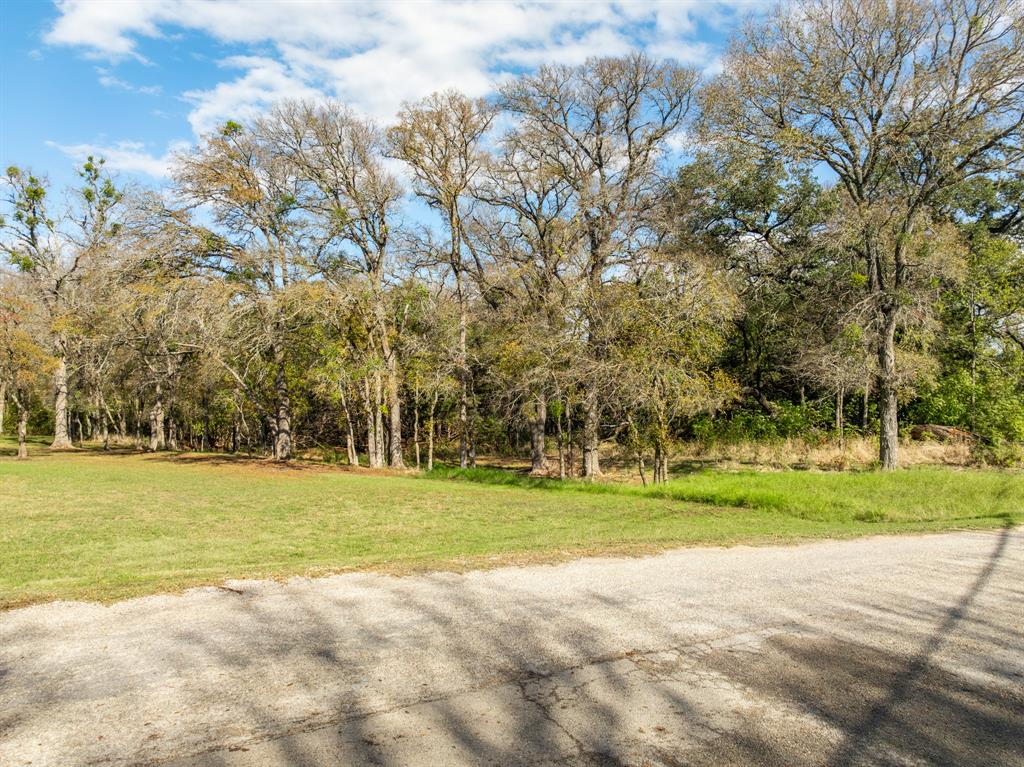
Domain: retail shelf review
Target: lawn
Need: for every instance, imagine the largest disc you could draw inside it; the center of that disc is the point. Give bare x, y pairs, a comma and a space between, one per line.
105, 527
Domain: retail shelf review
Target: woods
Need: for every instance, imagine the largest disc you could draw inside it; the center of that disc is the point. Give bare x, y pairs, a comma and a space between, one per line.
825, 237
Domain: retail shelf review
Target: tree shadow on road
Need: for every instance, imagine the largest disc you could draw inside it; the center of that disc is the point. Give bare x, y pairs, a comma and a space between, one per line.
478, 670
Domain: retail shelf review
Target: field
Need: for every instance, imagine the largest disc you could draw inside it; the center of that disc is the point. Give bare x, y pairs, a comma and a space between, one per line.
96, 526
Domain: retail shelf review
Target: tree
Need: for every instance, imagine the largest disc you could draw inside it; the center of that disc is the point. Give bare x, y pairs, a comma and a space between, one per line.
53, 252
353, 201
242, 175
439, 138
23, 358
529, 241
766, 224
604, 126
663, 336
901, 100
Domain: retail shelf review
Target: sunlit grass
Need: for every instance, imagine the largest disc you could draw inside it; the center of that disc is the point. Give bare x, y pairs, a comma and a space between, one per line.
95, 526
924, 494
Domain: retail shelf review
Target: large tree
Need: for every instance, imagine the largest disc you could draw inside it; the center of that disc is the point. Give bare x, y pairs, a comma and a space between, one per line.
604, 125
252, 191
900, 100
528, 240
54, 249
352, 200
439, 138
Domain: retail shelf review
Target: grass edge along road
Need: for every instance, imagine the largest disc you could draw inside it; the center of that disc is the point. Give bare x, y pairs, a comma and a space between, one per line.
107, 527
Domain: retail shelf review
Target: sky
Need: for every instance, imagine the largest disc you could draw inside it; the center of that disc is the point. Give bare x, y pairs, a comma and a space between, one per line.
136, 80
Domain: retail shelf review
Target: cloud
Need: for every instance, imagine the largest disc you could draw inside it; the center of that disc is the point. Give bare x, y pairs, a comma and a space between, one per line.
126, 156
374, 56
265, 82
109, 80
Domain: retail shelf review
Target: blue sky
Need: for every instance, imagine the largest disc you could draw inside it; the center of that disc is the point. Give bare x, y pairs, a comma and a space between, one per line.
133, 81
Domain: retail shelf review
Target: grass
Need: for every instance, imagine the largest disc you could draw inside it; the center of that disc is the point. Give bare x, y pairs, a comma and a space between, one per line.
920, 495
104, 527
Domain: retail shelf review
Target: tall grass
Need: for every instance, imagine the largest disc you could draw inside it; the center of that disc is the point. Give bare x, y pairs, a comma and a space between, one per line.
911, 495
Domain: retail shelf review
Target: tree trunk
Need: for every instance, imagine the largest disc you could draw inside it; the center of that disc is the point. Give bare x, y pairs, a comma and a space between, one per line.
378, 420
864, 409
888, 417
395, 415
463, 429
591, 437
416, 425
105, 420
22, 433
283, 438
3, 404
371, 429
172, 433
61, 438
463, 378
350, 434
270, 436
156, 422
840, 416
561, 445
430, 434
571, 458
209, 443
974, 363
537, 417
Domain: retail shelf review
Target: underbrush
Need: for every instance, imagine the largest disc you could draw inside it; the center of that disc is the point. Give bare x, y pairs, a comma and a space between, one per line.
855, 452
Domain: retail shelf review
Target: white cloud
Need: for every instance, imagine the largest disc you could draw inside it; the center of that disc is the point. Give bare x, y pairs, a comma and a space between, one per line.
376, 55
109, 80
126, 156
265, 82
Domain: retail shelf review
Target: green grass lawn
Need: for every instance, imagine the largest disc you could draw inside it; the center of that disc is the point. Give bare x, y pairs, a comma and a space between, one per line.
94, 526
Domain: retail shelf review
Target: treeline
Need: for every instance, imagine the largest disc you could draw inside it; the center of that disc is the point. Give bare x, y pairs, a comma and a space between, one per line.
826, 235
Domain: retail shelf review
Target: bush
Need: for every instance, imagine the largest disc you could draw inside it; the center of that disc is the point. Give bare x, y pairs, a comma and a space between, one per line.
998, 411
808, 420
1005, 454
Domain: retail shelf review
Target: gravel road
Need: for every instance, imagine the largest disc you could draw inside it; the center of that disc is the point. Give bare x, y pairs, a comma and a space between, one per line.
889, 650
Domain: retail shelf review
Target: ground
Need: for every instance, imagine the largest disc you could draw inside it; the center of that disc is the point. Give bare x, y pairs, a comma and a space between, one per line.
88, 525
895, 650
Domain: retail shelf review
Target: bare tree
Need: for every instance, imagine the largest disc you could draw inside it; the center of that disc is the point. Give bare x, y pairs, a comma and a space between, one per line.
354, 201
529, 240
439, 138
604, 126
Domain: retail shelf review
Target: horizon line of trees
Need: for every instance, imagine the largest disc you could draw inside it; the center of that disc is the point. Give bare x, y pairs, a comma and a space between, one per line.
619, 250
